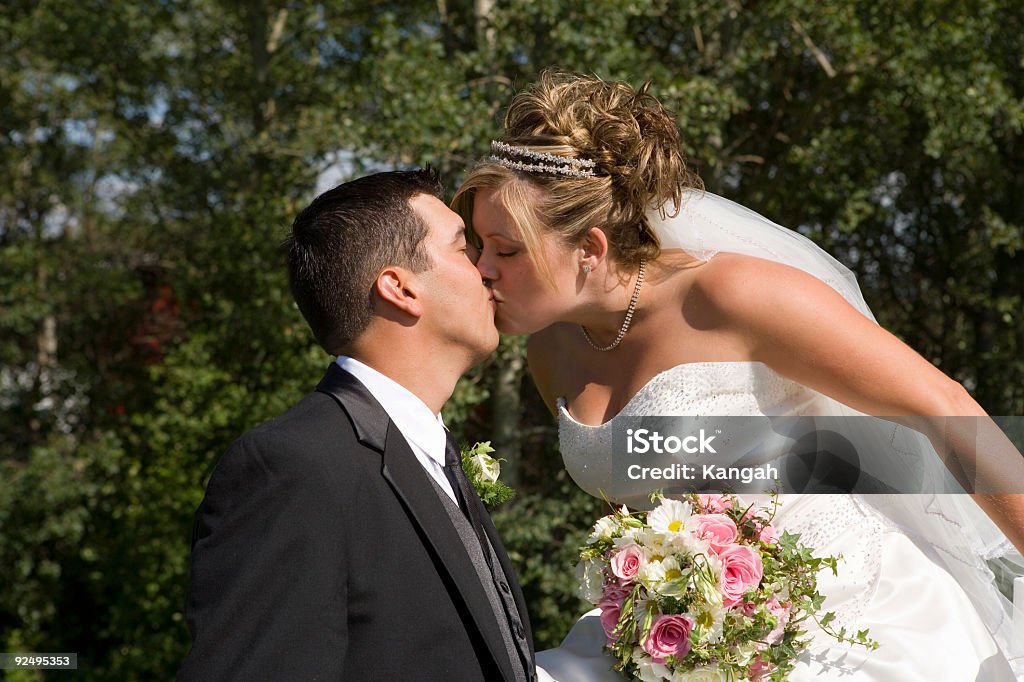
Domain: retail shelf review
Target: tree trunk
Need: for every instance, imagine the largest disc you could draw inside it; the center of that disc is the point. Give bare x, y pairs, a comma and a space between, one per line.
507, 411
484, 29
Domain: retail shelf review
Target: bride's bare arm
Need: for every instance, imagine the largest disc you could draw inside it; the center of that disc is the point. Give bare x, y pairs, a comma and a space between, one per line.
807, 332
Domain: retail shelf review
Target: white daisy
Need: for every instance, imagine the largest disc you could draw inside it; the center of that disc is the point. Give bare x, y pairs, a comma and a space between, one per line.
657, 543
670, 516
708, 621
689, 543
656, 573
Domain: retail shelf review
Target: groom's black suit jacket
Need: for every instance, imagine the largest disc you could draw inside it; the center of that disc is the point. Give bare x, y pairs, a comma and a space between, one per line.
322, 552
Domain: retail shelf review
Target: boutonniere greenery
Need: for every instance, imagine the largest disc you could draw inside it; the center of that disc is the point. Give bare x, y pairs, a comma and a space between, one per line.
482, 470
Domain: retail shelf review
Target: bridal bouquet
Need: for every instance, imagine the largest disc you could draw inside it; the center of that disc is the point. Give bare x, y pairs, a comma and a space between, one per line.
703, 589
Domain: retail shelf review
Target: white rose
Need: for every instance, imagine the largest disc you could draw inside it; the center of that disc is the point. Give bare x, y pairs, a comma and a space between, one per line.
603, 529
590, 579
630, 536
647, 670
710, 673
490, 468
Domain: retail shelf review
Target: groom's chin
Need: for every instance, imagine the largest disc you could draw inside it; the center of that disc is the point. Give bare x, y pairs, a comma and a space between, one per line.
493, 346
508, 327
486, 348
512, 329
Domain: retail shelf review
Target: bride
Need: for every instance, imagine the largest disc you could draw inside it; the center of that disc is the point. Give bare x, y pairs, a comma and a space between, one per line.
644, 295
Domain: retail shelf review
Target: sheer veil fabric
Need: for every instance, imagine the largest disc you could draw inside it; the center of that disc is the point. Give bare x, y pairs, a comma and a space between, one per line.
949, 528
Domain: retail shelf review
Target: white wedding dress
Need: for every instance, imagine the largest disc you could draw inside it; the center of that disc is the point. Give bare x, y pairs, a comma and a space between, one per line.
927, 626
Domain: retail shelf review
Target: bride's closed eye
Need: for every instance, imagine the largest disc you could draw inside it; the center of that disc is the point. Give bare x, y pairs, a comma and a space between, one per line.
501, 246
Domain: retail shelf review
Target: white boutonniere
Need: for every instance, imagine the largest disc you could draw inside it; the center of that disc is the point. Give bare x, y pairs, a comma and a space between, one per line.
483, 471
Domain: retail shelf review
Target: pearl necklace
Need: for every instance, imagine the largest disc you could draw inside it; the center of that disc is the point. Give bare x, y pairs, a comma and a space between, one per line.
629, 315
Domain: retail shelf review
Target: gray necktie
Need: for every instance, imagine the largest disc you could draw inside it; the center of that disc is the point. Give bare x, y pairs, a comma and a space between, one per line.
464, 492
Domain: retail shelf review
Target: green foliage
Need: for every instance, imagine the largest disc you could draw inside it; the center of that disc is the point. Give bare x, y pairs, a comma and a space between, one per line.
153, 154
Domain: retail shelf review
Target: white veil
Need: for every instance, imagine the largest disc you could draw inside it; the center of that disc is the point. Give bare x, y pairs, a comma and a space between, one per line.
949, 528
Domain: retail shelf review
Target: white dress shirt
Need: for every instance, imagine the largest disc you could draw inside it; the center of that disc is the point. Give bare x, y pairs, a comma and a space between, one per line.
423, 430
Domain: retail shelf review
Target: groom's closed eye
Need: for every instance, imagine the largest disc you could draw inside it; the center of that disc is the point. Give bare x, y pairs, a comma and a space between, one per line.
472, 252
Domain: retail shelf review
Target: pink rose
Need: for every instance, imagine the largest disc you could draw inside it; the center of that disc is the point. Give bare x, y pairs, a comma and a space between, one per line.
781, 612
749, 608
764, 532
616, 592
759, 669
768, 536
669, 636
750, 513
715, 504
627, 562
610, 613
718, 529
741, 570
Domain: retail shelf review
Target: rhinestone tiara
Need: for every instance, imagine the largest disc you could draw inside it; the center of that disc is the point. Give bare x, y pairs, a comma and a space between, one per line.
541, 162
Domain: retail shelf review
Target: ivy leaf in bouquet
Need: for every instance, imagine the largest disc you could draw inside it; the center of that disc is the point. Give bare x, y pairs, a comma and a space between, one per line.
703, 588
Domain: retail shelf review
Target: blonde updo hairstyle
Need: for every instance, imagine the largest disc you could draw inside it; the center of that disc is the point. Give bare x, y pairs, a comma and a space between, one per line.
630, 136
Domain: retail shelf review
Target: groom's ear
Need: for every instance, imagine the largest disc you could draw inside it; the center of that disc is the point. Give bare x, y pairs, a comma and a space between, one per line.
594, 245
394, 287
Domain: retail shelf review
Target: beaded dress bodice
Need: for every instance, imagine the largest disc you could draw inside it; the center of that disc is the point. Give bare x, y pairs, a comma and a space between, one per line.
701, 388
734, 389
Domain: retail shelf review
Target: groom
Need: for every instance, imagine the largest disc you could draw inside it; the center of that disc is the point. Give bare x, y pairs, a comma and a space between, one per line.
341, 541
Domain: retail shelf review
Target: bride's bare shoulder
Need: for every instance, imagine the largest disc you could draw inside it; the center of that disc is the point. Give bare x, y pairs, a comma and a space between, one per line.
731, 281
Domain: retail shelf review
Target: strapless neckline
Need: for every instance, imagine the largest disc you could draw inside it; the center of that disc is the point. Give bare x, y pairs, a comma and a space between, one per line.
563, 408
698, 389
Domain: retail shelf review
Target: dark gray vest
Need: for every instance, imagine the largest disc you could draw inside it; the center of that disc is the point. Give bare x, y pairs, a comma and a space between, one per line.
496, 587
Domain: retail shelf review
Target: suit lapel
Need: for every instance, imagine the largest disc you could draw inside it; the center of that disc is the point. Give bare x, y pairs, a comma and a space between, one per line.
409, 481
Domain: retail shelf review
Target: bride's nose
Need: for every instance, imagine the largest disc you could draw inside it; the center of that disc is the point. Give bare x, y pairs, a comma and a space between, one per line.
485, 265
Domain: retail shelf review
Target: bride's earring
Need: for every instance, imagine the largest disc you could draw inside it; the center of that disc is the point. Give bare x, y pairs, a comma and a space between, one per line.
586, 269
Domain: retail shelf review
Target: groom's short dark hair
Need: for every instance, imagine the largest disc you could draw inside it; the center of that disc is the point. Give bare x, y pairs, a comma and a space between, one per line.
340, 243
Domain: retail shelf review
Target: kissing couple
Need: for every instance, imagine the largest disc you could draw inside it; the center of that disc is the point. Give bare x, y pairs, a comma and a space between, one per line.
342, 540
